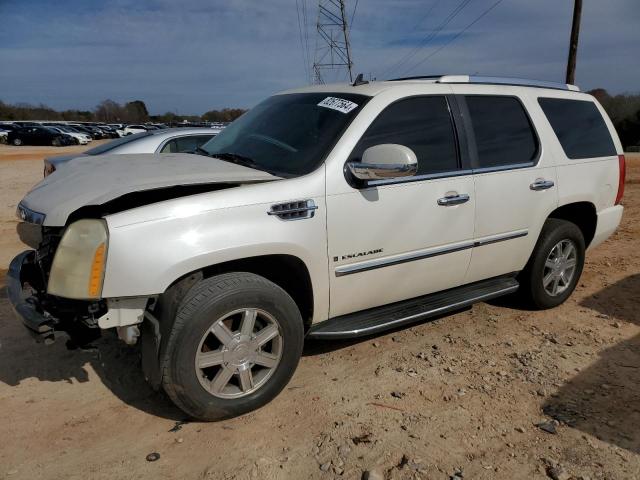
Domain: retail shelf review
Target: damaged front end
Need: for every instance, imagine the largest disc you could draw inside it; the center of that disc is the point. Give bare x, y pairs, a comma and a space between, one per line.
57, 286
45, 314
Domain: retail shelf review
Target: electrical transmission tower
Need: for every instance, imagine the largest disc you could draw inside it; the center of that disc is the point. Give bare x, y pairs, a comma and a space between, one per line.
333, 51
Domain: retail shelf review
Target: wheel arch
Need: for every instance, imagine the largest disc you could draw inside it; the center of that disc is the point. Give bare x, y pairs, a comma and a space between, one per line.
289, 272
582, 214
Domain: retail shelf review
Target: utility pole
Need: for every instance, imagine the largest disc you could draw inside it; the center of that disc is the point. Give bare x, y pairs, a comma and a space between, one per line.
333, 51
573, 42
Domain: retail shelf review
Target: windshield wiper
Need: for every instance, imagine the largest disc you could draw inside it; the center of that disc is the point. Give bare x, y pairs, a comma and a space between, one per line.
245, 162
237, 159
202, 151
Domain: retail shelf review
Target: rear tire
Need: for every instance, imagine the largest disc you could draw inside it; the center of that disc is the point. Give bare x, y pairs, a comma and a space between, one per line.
235, 343
17, 142
555, 266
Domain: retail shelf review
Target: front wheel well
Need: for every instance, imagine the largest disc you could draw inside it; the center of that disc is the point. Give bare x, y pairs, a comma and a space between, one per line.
582, 214
287, 271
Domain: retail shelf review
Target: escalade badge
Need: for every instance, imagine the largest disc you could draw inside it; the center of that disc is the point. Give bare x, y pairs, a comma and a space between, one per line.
356, 255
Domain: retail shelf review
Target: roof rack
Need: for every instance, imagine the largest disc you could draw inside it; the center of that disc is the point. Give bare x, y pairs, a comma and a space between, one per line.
479, 79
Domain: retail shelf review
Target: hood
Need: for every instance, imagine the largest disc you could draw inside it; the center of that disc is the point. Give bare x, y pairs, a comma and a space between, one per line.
96, 180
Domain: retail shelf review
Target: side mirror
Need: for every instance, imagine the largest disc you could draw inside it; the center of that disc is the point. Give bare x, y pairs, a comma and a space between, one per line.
385, 161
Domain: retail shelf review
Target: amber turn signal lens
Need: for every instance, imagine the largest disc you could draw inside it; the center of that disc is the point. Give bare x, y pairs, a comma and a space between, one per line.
97, 270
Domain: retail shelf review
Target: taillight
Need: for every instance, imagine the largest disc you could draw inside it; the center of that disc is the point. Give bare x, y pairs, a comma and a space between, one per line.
623, 171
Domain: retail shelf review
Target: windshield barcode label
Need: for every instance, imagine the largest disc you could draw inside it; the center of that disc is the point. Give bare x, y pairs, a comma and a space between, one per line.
339, 104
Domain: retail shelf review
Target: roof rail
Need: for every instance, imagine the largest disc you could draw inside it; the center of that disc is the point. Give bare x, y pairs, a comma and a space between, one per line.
479, 79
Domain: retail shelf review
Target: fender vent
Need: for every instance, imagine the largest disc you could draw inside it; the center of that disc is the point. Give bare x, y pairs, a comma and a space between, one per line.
297, 210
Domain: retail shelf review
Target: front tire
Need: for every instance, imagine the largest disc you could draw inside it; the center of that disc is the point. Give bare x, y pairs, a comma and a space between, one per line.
17, 142
235, 343
555, 266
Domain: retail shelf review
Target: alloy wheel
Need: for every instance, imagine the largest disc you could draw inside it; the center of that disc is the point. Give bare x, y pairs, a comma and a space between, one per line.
560, 267
239, 353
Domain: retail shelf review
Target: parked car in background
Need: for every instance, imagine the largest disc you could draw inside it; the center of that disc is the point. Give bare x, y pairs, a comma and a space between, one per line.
81, 138
5, 128
38, 135
131, 129
119, 128
95, 133
109, 132
173, 140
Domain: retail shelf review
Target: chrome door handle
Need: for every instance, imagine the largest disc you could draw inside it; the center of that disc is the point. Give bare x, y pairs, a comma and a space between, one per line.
541, 184
451, 200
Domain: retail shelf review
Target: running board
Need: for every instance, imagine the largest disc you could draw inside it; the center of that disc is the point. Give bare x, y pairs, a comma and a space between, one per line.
375, 320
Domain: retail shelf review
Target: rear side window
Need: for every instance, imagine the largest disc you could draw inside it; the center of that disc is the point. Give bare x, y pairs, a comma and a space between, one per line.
185, 144
421, 123
504, 135
579, 126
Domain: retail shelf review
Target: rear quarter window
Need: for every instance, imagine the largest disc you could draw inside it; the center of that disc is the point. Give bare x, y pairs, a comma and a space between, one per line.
579, 127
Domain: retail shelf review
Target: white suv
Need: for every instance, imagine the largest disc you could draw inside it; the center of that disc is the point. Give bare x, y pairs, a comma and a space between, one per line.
325, 212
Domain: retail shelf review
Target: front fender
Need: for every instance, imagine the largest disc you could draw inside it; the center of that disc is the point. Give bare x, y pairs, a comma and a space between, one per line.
145, 258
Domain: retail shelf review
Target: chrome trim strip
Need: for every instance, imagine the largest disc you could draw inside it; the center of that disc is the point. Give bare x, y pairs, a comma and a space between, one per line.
417, 178
404, 258
422, 254
501, 168
500, 238
432, 312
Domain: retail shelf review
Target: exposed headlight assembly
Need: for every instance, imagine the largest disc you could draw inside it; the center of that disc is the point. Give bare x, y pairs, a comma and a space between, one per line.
79, 263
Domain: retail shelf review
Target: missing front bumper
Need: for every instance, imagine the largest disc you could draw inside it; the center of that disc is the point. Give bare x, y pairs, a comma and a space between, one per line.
44, 316
39, 323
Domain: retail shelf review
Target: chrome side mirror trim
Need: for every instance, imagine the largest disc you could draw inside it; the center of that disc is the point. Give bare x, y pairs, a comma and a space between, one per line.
368, 171
385, 161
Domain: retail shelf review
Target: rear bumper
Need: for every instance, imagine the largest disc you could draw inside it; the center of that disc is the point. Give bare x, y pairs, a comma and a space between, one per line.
608, 221
25, 304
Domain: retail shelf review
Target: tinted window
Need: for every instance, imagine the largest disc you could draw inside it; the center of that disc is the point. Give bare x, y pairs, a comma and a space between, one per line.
169, 147
185, 144
579, 126
503, 132
290, 134
421, 123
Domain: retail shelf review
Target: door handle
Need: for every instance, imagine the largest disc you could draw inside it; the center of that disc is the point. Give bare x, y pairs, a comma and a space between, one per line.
541, 184
455, 199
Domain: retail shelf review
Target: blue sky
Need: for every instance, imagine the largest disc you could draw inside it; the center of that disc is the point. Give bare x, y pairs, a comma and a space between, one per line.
190, 56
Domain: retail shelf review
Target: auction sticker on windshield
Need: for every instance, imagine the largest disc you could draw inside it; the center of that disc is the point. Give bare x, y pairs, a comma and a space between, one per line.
339, 104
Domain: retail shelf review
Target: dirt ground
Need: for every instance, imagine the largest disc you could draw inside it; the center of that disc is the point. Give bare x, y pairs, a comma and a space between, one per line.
458, 397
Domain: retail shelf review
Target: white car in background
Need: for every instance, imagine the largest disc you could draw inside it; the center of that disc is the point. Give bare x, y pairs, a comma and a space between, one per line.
131, 129
82, 138
170, 140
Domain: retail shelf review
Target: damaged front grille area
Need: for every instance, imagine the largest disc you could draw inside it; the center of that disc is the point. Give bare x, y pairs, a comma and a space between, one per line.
78, 318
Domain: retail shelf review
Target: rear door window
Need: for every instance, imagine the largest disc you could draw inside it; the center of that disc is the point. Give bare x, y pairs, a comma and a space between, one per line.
421, 123
579, 126
503, 132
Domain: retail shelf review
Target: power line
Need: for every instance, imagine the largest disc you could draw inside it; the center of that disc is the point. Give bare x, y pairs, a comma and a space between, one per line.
306, 37
415, 27
302, 50
429, 37
457, 35
353, 14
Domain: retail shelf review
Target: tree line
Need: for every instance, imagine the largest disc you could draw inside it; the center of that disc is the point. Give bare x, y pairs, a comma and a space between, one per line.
109, 111
624, 110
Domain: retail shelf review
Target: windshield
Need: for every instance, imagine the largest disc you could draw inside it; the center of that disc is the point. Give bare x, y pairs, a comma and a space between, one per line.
288, 135
99, 150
